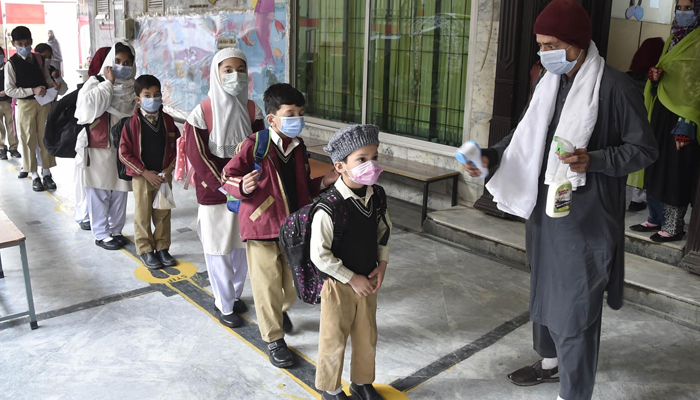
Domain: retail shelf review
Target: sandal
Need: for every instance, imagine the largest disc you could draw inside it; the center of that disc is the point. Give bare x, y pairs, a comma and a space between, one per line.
534, 375
666, 239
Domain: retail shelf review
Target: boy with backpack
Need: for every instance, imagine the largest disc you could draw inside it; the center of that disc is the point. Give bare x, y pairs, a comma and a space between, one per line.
354, 264
271, 186
147, 149
6, 118
26, 78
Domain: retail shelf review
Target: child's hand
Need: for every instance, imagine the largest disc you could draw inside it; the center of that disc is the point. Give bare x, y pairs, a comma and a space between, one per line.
361, 285
331, 176
39, 91
56, 85
109, 74
250, 181
2, 93
152, 178
379, 273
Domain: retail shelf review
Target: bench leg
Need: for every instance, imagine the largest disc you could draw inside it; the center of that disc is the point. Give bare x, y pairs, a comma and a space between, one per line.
455, 190
28, 286
2, 273
424, 214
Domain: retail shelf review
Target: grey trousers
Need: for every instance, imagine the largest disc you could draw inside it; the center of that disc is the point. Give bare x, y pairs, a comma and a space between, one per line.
577, 356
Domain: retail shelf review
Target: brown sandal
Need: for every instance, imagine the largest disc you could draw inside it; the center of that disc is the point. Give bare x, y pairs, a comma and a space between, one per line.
534, 375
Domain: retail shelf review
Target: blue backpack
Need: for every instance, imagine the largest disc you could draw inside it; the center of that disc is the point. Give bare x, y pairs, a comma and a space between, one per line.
262, 146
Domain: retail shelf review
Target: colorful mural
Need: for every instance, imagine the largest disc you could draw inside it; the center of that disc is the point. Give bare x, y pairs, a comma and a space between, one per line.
178, 50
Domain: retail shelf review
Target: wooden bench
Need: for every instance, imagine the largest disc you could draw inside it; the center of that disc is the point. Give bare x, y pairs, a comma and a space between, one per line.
11, 236
418, 171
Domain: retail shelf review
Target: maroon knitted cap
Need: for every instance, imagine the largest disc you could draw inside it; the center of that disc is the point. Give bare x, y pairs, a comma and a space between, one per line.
567, 21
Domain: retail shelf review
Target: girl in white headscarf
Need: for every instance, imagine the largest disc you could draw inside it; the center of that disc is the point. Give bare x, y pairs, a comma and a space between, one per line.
212, 132
102, 102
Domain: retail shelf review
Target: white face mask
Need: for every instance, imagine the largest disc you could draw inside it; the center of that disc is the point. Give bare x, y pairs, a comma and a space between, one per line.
234, 83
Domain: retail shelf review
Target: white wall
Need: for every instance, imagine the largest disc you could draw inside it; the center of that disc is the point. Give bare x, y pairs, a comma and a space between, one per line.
62, 18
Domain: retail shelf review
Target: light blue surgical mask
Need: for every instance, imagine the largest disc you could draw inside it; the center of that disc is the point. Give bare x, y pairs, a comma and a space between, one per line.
555, 61
151, 104
685, 18
24, 51
235, 83
121, 71
291, 126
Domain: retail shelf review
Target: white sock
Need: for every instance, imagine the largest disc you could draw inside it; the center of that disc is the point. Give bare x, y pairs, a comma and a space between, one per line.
549, 363
46, 172
335, 392
360, 384
34, 175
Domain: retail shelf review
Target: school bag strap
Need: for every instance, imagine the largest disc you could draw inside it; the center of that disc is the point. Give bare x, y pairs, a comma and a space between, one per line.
262, 147
332, 202
209, 114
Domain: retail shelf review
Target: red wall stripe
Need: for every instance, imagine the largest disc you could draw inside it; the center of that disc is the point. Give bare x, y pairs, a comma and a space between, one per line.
24, 13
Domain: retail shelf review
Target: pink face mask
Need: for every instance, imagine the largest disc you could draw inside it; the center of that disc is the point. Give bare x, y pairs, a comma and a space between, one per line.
366, 173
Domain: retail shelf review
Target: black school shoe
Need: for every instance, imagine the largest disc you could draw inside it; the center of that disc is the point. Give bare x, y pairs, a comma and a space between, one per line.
49, 184
166, 258
85, 225
239, 307
23, 174
534, 375
365, 392
3, 154
15, 154
232, 320
109, 245
339, 396
287, 325
121, 239
150, 260
280, 355
37, 185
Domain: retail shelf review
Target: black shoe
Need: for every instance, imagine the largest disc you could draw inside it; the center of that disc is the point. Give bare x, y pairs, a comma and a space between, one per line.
3, 154
534, 375
49, 184
287, 325
663, 239
37, 186
637, 206
110, 245
150, 260
85, 225
121, 239
239, 307
23, 174
15, 154
365, 392
339, 396
166, 258
280, 356
642, 228
231, 320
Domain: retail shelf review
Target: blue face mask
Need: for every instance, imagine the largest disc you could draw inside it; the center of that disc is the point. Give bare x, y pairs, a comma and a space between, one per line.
555, 61
685, 18
151, 104
291, 126
121, 71
24, 51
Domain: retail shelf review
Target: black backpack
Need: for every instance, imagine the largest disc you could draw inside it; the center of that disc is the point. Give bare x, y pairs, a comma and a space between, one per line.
295, 239
62, 127
115, 135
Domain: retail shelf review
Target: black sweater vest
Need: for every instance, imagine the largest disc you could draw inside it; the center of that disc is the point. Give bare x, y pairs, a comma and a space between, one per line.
153, 141
28, 75
358, 244
288, 173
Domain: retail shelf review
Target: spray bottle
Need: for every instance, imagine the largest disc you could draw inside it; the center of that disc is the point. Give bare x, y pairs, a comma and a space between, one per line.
560, 190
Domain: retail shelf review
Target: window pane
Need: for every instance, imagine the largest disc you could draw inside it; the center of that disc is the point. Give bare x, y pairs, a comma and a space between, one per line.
418, 68
330, 53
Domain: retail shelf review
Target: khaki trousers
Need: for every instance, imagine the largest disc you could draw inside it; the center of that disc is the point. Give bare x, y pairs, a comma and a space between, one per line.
273, 287
6, 124
146, 242
31, 122
343, 314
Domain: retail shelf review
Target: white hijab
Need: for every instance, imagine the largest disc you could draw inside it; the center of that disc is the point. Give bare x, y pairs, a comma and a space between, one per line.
123, 103
230, 113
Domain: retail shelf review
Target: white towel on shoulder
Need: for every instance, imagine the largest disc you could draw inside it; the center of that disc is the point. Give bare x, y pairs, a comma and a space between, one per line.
514, 186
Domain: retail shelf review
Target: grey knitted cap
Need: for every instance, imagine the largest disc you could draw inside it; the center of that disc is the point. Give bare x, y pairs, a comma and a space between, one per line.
350, 138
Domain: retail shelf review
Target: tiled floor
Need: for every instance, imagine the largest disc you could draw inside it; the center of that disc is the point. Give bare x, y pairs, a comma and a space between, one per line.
160, 344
